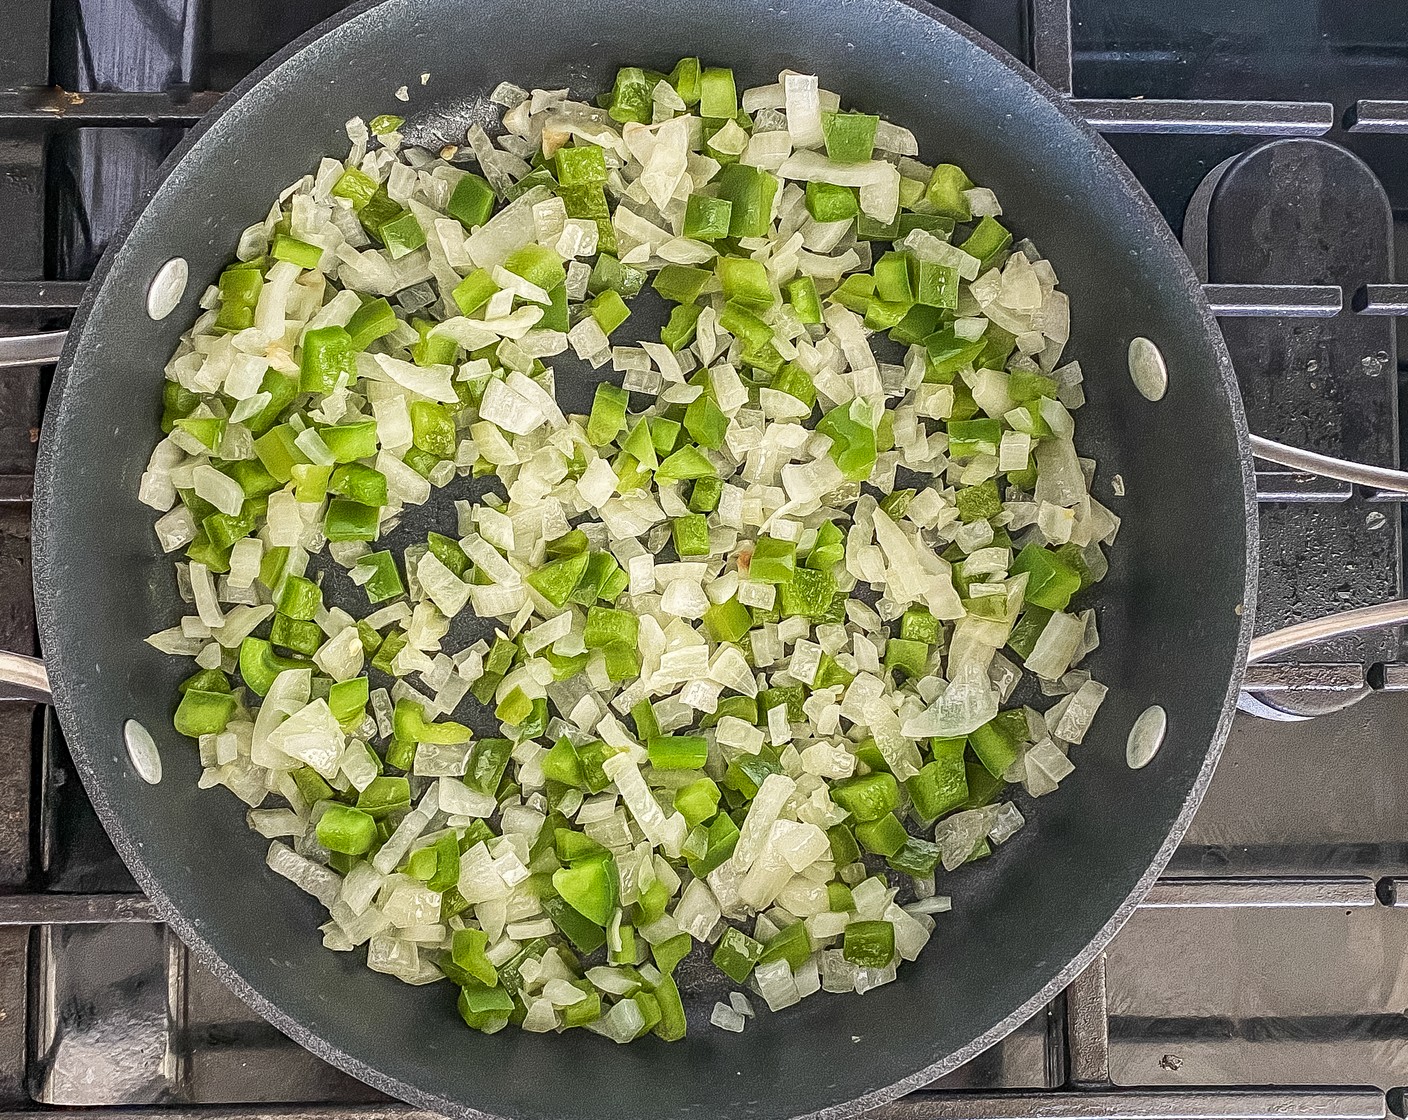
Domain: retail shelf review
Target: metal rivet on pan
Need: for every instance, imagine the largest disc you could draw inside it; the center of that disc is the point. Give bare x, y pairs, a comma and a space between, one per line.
142, 752
1147, 369
167, 288
1146, 737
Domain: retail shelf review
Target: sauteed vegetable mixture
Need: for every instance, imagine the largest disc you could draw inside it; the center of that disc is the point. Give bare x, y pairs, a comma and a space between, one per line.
747, 639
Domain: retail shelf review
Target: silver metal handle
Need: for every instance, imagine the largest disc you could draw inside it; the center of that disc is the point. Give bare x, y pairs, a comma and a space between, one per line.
24, 678
1312, 462
1357, 621
21, 677
31, 349
1373, 617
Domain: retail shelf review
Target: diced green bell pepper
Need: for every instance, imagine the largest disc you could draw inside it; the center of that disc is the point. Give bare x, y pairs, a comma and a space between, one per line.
384, 581
344, 829
809, 593
678, 752
682, 326
998, 741
347, 520
774, 561
295, 634
630, 96
746, 281
916, 857
882, 837
348, 701
868, 797
718, 96
989, 237
1051, 580
698, 801
790, 944
852, 431
827, 202
706, 218
328, 360
802, 295
294, 251
849, 137
723, 838
690, 535
609, 310
686, 77
472, 201
869, 944
352, 441
259, 664
590, 887
736, 954
203, 713
727, 621
750, 191
945, 192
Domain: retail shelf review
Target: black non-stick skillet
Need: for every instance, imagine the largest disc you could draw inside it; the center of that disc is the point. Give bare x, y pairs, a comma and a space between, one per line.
1175, 612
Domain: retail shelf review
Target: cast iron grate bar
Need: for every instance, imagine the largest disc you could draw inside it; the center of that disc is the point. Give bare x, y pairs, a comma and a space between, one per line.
1345, 1103
1381, 299
1142, 1104
1227, 300
1087, 1028
1377, 116
58, 109
1278, 893
16, 490
1052, 56
44, 909
52, 909
1295, 486
1394, 892
1391, 677
40, 295
1287, 300
1208, 118
1284, 485
1290, 676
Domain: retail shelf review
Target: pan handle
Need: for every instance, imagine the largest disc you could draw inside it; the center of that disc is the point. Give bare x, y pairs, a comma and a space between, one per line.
24, 678
1312, 462
21, 677
31, 349
1375, 617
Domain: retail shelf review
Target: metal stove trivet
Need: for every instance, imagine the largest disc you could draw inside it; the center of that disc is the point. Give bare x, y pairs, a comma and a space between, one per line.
101, 1007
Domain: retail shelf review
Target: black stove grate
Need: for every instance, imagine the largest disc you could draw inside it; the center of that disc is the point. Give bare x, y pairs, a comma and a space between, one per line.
102, 1007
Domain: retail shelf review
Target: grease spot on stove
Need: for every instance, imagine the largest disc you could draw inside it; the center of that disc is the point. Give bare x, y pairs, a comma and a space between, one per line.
1373, 365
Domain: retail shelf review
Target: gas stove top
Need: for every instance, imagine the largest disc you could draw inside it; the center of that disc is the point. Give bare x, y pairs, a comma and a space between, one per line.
1264, 976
